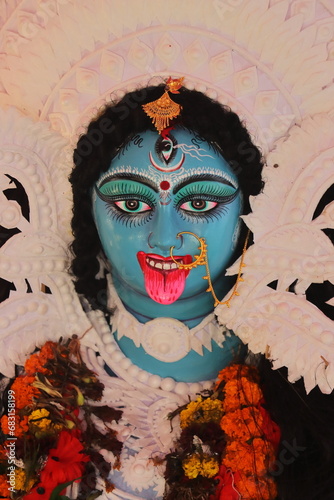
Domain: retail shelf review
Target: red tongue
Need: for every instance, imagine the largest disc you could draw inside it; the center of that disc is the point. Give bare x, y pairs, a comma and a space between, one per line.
164, 287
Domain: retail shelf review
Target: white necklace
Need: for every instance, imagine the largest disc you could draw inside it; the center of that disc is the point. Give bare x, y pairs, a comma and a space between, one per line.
166, 339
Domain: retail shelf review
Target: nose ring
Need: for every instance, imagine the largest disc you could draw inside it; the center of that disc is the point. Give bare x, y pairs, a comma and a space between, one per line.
200, 260
179, 236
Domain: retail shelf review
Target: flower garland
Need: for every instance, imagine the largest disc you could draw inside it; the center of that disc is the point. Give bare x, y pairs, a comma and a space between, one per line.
227, 445
226, 448
50, 437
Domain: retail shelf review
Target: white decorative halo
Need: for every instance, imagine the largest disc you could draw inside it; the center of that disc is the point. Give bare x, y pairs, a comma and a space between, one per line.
290, 247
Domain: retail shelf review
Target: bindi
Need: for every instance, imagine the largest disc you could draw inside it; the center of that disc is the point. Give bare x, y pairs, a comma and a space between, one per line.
164, 194
164, 185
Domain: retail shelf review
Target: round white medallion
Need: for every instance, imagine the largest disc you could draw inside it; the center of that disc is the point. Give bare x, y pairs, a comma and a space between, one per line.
166, 339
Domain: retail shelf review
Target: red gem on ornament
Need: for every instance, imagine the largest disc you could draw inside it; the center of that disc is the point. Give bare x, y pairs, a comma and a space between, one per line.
164, 185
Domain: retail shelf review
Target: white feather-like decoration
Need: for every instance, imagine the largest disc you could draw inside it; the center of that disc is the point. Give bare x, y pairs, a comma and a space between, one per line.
290, 247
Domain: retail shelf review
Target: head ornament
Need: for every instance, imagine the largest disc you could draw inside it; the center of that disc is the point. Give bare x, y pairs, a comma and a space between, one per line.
164, 109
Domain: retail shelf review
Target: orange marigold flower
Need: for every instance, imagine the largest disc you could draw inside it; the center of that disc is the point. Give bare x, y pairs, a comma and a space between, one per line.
20, 425
243, 424
24, 391
254, 488
4, 492
241, 392
236, 371
254, 458
47, 351
35, 363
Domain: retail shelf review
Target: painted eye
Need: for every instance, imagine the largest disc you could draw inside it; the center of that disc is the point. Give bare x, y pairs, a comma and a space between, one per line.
134, 206
198, 205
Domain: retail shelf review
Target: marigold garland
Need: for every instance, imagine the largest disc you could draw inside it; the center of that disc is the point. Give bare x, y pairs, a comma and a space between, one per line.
200, 411
226, 447
227, 444
200, 464
242, 424
56, 440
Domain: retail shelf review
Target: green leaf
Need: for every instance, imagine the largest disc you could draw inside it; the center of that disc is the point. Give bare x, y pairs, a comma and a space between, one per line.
55, 495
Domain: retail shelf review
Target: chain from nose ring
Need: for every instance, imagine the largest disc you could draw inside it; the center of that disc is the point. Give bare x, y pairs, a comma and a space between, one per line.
202, 260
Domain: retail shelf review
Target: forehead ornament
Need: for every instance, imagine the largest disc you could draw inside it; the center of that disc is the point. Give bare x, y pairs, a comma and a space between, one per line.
164, 109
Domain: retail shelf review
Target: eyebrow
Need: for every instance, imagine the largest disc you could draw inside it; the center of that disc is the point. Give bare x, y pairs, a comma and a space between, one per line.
129, 177
202, 177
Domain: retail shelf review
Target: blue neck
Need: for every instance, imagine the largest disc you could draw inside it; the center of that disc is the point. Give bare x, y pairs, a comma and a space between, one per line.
193, 367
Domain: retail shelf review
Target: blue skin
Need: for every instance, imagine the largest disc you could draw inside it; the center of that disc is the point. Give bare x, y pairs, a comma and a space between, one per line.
130, 218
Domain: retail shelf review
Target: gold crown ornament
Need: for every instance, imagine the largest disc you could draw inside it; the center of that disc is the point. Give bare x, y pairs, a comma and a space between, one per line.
164, 109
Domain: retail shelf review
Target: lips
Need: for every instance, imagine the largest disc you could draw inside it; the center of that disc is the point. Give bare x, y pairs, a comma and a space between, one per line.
164, 281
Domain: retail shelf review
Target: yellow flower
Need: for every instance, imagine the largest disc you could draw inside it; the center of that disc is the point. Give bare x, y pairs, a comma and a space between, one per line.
39, 421
37, 414
200, 464
210, 467
21, 483
192, 466
201, 411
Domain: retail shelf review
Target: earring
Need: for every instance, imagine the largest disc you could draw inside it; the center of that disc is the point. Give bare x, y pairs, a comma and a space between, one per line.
202, 260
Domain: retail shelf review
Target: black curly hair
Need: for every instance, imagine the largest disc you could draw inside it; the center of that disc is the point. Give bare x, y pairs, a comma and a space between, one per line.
112, 129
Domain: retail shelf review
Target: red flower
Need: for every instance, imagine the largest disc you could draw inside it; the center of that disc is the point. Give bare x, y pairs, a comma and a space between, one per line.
40, 492
270, 429
66, 462
226, 489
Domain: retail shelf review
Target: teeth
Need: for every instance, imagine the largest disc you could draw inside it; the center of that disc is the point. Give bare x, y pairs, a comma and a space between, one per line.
166, 266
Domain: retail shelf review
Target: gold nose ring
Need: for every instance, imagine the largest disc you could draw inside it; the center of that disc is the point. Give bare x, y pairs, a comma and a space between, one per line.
199, 259
202, 260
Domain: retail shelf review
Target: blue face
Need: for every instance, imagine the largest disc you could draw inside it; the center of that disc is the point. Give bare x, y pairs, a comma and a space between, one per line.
155, 188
